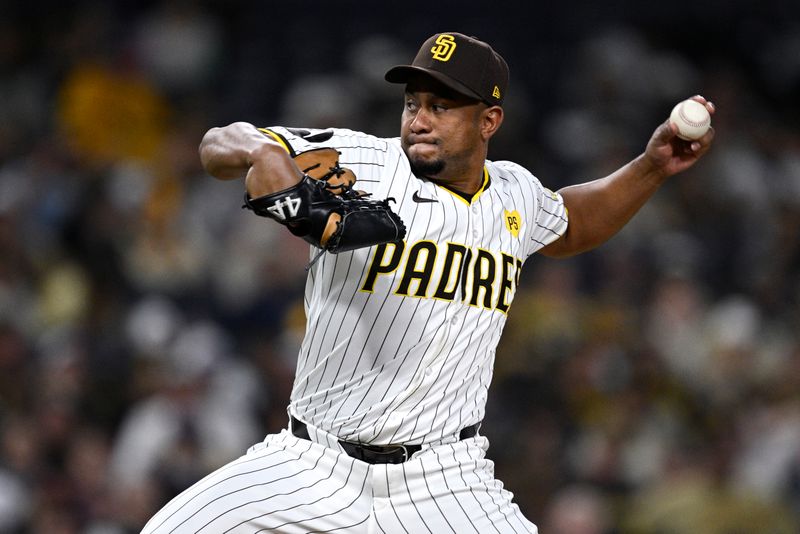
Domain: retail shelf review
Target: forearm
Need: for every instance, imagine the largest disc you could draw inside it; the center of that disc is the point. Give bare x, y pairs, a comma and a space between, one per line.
599, 209
240, 150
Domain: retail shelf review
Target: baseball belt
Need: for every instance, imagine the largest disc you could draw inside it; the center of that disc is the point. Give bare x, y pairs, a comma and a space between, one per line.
379, 454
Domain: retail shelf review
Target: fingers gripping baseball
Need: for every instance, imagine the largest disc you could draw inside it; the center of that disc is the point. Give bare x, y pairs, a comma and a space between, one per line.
682, 139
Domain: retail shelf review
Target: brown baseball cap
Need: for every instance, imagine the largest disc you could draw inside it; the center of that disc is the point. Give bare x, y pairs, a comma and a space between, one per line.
462, 63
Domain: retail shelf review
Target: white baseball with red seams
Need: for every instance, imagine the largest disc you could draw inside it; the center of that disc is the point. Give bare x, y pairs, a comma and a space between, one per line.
692, 118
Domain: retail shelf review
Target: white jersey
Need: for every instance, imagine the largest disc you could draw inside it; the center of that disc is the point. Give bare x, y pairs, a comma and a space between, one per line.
400, 338
399, 349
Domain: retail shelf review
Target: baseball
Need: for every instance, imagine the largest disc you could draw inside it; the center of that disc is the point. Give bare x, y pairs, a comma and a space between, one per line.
692, 119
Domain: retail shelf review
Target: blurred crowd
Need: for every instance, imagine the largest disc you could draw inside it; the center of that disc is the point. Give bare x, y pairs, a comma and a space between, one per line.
149, 326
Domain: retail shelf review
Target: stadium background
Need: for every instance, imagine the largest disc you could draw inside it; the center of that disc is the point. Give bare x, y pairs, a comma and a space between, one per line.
148, 326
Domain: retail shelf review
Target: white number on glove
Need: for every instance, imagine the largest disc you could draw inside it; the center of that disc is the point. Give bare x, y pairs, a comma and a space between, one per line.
290, 203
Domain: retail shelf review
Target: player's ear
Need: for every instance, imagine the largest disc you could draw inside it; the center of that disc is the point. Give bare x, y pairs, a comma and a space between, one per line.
491, 119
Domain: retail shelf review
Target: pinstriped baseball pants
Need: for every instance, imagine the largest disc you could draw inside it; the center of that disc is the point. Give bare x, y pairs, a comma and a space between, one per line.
290, 485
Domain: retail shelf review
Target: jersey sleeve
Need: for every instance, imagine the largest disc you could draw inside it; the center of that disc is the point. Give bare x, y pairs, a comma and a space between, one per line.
297, 140
551, 217
373, 160
544, 210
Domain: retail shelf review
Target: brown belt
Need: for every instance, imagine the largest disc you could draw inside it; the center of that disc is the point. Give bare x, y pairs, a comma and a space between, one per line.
379, 454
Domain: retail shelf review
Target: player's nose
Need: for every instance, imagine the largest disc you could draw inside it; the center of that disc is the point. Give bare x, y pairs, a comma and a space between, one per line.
420, 123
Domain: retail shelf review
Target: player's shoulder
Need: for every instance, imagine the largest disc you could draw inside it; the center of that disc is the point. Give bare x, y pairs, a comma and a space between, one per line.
509, 171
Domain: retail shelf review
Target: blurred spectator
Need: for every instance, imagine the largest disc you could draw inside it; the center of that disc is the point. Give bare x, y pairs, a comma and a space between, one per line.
111, 114
578, 510
179, 46
199, 417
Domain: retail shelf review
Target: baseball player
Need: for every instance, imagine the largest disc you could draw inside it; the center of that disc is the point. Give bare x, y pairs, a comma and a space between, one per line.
418, 246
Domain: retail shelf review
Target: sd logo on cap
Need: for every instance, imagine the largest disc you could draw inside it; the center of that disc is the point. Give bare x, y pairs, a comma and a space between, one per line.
462, 63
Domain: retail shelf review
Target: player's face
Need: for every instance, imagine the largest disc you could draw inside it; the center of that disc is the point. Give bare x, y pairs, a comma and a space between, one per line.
440, 129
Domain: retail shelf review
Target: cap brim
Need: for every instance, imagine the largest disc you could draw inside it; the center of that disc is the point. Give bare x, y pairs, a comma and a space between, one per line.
402, 73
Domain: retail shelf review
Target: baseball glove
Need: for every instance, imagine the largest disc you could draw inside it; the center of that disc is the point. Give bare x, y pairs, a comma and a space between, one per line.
325, 210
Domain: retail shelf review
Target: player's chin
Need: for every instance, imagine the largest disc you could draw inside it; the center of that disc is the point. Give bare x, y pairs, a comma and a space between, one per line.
425, 166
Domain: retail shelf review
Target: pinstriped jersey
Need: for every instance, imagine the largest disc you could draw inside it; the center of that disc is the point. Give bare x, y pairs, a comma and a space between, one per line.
400, 338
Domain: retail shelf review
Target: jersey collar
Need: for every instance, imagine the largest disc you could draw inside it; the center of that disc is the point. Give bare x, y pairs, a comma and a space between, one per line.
464, 198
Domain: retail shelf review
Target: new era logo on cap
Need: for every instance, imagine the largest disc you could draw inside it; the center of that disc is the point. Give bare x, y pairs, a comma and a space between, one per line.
463, 63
